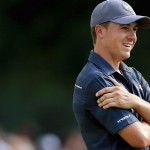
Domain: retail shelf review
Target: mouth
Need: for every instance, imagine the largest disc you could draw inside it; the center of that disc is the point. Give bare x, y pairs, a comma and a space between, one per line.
128, 45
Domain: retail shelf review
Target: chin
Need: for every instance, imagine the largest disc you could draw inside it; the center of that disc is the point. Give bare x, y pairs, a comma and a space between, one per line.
126, 56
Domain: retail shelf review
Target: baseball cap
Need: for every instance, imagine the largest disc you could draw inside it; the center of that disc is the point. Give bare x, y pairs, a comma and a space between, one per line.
117, 11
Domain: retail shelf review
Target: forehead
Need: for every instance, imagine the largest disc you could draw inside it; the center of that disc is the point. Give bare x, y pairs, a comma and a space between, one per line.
134, 24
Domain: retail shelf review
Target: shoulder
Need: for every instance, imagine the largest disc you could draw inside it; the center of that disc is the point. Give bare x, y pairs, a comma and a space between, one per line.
130, 69
88, 72
138, 77
92, 79
134, 70
137, 74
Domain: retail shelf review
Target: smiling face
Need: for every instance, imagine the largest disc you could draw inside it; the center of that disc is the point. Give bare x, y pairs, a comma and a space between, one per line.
117, 41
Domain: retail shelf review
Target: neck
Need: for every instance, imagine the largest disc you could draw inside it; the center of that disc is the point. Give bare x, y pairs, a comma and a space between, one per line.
113, 62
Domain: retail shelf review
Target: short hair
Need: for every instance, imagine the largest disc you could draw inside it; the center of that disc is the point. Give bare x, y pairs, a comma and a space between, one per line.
93, 34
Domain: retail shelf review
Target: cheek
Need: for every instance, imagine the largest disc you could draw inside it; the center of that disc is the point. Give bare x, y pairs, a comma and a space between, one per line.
114, 43
109, 39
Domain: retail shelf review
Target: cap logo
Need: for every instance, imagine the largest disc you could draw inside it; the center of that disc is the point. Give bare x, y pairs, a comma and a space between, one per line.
127, 7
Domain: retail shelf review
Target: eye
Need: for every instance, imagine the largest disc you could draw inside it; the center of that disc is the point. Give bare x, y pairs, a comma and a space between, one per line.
135, 29
125, 28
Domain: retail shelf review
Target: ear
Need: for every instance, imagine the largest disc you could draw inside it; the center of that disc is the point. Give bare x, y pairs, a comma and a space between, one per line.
99, 30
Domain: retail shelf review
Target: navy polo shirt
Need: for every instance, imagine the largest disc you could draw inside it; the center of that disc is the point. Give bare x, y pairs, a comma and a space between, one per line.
99, 126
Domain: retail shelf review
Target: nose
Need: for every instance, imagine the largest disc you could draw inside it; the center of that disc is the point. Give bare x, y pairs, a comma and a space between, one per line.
132, 35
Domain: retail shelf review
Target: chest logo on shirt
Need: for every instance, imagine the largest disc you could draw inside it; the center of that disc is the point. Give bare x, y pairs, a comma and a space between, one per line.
139, 87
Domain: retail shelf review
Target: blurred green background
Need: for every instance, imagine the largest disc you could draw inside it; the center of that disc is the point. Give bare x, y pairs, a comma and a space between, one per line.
43, 46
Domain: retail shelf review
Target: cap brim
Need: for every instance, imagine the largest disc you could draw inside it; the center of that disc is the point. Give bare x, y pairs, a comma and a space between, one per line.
143, 21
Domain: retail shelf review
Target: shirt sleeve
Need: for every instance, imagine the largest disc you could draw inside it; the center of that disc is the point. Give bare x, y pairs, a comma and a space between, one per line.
112, 119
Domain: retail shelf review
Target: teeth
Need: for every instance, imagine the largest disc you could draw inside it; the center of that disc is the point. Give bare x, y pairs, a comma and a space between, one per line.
128, 45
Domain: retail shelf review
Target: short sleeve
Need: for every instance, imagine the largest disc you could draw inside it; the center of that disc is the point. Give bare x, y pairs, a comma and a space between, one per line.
112, 119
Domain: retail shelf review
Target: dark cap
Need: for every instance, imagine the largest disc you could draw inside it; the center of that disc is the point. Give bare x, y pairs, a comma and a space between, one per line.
117, 11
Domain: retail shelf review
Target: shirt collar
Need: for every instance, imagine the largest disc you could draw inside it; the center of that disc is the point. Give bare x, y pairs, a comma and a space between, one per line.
104, 65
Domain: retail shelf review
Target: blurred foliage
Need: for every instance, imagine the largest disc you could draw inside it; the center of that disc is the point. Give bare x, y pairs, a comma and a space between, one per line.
43, 46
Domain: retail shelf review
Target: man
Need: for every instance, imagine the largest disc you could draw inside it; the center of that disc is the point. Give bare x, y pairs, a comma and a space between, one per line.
120, 120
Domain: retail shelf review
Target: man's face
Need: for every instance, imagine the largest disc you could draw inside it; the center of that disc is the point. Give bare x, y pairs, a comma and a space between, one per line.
118, 40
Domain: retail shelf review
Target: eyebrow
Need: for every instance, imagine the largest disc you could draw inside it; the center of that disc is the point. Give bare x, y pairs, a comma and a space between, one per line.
135, 26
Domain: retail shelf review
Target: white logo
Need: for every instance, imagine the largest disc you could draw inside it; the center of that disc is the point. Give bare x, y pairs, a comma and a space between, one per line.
122, 119
128, 7
78, 86
139, 87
